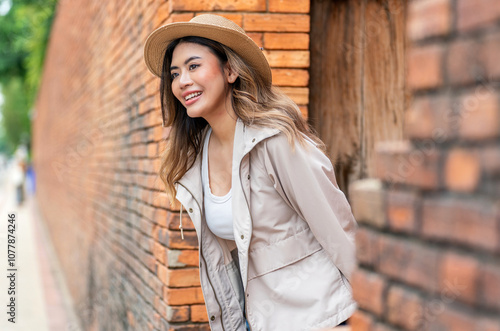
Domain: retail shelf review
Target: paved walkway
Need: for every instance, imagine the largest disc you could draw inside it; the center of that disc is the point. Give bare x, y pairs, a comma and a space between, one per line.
41, 298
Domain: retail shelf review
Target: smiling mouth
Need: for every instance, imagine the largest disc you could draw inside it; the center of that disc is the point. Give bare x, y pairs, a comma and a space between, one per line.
192, 95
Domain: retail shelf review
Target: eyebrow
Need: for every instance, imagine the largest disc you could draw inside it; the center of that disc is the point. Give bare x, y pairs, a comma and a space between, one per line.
186, 62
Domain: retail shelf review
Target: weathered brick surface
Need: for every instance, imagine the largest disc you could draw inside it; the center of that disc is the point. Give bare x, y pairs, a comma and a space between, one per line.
276, 22
461, 273
286, 40
473, 14
462, 170
97, 141
424, 67
469, 222
289, 6
369, 291
429, 18
402, 210
437, 250
431, 118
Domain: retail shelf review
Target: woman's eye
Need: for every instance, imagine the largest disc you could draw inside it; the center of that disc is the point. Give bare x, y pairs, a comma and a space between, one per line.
173, 75
193, 66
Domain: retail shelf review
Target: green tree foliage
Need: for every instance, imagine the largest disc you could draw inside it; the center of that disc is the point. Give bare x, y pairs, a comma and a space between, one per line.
16, 122
24, 34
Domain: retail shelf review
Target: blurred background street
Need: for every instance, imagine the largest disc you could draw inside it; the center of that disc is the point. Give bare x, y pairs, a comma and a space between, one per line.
42, 302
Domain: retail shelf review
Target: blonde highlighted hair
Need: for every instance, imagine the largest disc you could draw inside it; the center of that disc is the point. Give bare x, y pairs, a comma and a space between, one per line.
254, 102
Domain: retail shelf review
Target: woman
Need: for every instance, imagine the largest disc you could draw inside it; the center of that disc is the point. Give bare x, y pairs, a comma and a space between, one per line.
276, 235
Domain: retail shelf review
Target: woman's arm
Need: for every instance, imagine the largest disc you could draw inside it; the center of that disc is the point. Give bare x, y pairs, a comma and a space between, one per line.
305, 178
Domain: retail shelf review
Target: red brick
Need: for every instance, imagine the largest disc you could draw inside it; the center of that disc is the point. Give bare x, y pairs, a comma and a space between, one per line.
473, 14
290, 77
152, 150
152, 119
286, 40
429, 117
257, 38
162, 14
367, 200
183, 296
160, 216
161, 272
459, 276
428, 18
159, 252
488, 57
304, 111
404, 308
369, 291
462, 65
479, 114
401, 163
235, 17
199, 313
489, 286
366, 246
402, 210
461, 221
183, 277
290, 59
409, 262
451, 319
223, 5
490, 160
300, 95
424, 67
179, 17
182, 258
276, 22
361, 321
173, 222
172, 239
158, 134
289, 6
462, 170
177, 313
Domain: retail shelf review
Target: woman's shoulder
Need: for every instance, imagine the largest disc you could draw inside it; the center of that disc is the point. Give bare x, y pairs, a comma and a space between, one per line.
282, 140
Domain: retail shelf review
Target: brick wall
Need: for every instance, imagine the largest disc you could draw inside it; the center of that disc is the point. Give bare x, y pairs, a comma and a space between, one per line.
429, 238
97, 135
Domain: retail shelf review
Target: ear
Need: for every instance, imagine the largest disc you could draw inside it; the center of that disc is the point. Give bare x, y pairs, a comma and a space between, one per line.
231, 75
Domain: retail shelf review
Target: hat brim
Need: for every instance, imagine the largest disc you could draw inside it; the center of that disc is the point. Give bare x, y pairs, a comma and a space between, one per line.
244, 46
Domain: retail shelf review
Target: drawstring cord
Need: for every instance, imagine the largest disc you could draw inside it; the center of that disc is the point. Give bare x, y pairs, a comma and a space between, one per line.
180, 224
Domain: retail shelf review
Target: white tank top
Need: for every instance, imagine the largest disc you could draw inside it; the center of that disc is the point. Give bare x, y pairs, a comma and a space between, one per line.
218, 209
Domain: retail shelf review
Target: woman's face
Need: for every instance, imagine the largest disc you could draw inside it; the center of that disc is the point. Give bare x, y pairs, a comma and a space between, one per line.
199, 82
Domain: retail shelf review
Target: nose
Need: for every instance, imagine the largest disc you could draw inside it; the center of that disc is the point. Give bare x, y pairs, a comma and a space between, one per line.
185, 79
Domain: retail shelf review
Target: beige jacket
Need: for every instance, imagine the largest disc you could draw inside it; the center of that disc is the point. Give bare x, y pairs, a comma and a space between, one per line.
294, 232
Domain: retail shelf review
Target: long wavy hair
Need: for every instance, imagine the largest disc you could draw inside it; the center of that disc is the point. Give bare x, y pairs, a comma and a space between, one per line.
254, 103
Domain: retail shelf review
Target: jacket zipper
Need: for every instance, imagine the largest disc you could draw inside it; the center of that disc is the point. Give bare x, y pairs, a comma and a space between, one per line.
205, 261
251, 221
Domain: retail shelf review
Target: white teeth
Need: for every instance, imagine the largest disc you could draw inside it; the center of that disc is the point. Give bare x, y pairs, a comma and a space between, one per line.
192, 95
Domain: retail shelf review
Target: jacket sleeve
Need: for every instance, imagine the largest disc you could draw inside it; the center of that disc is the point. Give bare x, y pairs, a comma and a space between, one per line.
305, 178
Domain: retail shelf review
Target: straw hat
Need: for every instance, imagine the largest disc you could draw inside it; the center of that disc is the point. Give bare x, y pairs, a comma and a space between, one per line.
208, 26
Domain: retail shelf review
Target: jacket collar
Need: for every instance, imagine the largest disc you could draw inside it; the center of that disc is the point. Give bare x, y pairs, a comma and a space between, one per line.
245, 139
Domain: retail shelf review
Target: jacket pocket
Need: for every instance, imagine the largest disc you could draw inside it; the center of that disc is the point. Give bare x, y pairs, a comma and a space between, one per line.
281, 254
306, 295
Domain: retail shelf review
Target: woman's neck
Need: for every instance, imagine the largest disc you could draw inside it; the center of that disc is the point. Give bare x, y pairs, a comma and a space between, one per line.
223, 130
223, 125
